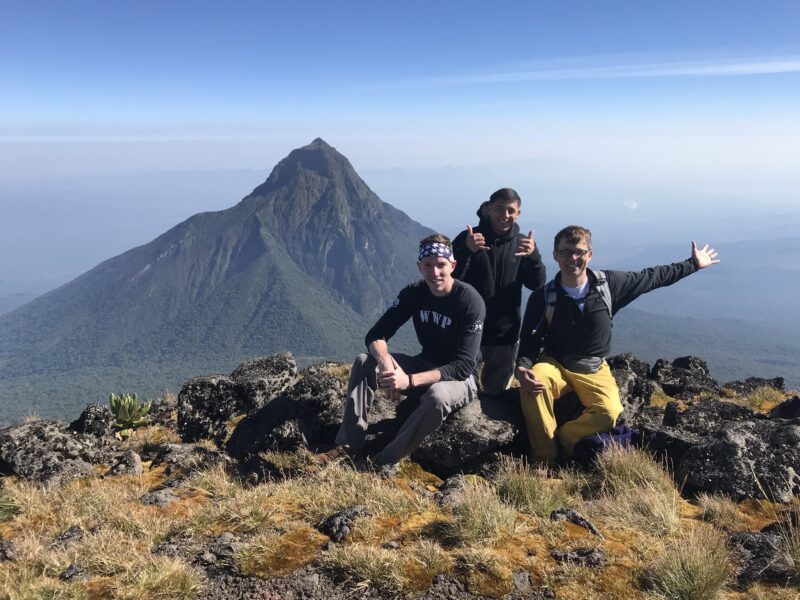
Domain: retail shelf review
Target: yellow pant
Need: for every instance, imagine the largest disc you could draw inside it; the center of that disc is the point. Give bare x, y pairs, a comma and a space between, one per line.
598, 392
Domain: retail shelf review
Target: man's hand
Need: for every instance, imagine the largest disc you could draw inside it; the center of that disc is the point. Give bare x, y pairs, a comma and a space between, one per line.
703, 257
526, 245
527, 381
475, 241
394, 381
386, 363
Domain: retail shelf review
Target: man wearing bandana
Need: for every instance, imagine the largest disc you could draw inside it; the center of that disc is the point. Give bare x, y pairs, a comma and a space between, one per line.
448, 320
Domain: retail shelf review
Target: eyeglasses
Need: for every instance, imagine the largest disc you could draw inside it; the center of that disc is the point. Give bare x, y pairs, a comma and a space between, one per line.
569, 252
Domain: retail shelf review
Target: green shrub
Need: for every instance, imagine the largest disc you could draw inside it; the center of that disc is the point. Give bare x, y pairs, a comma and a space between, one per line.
128, 413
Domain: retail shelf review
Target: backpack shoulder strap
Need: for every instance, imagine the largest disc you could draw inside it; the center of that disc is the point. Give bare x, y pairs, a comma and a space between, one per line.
605, 291
549, 304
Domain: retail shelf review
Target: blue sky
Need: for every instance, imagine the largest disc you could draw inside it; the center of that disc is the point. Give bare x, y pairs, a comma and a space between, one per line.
372, 74
654, 110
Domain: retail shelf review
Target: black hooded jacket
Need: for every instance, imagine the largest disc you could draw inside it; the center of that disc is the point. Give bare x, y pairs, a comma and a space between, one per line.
498, 276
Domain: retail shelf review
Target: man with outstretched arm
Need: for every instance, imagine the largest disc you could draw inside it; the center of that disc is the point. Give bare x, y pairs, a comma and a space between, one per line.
566, 336
497, 260
448, 319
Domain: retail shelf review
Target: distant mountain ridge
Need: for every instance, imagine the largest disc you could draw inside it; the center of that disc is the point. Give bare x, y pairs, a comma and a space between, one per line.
304, 263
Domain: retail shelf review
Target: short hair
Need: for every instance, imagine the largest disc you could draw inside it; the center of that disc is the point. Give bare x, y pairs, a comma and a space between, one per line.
505, 195
573, 234
436, 238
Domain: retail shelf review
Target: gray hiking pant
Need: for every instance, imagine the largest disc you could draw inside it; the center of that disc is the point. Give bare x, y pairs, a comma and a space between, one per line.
498, 367
435, 403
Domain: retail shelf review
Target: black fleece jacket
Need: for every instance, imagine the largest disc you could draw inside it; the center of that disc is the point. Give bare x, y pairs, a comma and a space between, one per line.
448, 327
588, 333
498, 276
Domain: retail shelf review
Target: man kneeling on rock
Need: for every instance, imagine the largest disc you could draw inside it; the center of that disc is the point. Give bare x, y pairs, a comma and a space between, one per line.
566, 336
448, 319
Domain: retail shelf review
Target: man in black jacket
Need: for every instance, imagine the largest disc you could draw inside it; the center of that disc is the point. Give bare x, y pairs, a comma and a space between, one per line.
448, 319
566, 336
497, 261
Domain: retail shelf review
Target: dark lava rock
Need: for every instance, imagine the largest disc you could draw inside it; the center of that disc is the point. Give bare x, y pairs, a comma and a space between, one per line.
635, 386
451, 494
788, 409
161, 498
471, 434
128, 463
339, 525
7, 550
161, 412
182, 460
757, 558
95, 419
50, 454
310, 410
74, 573
67, 538
573, 516
206, 404
717, 446
259, 380
584, 557
684, 378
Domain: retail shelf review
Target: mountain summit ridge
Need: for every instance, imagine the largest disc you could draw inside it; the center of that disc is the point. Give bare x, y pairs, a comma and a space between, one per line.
303, 263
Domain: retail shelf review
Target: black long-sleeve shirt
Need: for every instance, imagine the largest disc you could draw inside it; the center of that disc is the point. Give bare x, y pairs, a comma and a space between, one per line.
448, 328
498, 276
588, 333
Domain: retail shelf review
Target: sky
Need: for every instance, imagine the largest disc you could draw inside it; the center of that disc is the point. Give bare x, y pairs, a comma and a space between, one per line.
620, 105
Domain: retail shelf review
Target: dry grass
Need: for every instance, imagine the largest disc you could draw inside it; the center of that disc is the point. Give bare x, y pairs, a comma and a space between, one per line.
762, 399
361, 566
624, 470
789, 531
531, 492
694, 566
424, 560
146, 439
338, 486
482, 516
719, 510
270, 555
243, 511
485, 571
649, 508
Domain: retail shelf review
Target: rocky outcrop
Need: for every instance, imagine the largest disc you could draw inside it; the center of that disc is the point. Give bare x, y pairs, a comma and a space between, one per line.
717, 446
206, 404
472, 434
310, 410
96, 419
683, 378
50, 454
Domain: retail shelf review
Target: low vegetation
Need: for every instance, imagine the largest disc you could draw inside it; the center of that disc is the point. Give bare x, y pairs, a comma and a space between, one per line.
656, 545
694, 566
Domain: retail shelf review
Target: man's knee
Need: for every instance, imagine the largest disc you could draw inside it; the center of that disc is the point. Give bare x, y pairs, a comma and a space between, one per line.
439, 399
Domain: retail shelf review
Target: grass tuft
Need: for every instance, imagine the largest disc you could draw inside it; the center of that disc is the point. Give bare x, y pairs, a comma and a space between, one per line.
624, 470
789, 531
530, 492
363, 566
270, 555
649, 508
482, 517
719, 510
762, 399
694, 566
